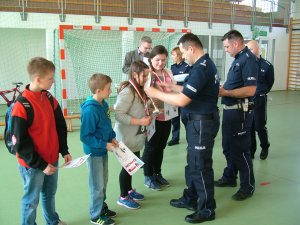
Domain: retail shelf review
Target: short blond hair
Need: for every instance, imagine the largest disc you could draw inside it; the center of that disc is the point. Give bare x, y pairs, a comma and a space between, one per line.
98, 81
40, 67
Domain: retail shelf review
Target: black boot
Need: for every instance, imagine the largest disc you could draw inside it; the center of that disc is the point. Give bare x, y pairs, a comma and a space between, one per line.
264, 154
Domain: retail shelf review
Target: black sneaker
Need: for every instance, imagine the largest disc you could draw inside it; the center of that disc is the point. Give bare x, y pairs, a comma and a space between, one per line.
161, 180
240, 196
195, 218
221, 183
172, 142
151, 183
103, 220
107, 212
178, 203
264, 154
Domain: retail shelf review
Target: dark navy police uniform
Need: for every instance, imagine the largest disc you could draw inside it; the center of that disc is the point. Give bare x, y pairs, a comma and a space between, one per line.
265, 82
201, 119
237, 121
178, 69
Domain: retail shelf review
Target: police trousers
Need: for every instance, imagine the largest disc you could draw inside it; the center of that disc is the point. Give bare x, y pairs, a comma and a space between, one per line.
259, 123
199, 175
236, 126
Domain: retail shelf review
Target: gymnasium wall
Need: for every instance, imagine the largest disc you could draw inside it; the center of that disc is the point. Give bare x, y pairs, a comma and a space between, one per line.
21, 40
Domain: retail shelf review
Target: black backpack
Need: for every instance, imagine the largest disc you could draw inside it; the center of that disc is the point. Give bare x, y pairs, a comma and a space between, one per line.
30, 114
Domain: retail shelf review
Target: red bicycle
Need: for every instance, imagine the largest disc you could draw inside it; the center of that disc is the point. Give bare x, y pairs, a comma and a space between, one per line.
15, 93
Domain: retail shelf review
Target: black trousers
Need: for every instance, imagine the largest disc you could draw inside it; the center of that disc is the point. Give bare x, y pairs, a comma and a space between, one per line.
199, 174
176, 127
125, 180
154, 149
259, 124
236, 126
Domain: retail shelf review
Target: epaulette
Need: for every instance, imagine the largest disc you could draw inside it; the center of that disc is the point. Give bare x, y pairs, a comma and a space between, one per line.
267, 62
203, 63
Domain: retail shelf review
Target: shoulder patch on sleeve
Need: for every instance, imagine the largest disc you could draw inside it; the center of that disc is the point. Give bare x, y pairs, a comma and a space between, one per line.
191, 88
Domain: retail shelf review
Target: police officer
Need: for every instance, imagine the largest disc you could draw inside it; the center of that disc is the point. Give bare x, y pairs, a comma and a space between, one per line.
236, 95
265, 81
198, 96
180, 67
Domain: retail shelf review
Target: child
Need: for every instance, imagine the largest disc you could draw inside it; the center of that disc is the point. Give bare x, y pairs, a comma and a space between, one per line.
98, 137
38, 145
131, 119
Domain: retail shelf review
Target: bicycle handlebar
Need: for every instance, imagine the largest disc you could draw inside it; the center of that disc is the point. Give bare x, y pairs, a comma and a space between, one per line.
17, 83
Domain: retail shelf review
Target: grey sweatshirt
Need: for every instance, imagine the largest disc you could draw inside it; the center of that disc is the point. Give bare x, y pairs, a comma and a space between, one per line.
125, 109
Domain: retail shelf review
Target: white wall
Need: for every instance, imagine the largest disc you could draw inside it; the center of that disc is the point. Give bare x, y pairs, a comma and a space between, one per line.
16, 47
49, 22
295, 9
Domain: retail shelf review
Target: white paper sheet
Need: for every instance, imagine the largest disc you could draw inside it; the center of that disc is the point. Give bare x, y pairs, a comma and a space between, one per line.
129, 161
146, 60
180, 77
170, 111
151, 129
75, 162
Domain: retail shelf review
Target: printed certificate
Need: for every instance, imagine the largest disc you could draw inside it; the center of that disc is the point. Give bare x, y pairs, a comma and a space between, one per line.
170, 111
129, 161
75, 162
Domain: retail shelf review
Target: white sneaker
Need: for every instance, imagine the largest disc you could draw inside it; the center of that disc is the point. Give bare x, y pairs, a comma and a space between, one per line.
61, 223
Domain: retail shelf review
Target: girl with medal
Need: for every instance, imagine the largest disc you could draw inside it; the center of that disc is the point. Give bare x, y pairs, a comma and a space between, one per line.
132, 117
154, 148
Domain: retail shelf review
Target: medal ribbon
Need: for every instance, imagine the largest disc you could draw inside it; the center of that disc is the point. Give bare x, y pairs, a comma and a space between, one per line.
144, 99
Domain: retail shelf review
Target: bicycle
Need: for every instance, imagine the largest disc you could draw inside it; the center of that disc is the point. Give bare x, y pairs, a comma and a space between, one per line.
16, 92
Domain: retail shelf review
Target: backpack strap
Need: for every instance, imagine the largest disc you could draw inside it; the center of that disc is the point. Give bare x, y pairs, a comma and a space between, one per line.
28, 107
50, 97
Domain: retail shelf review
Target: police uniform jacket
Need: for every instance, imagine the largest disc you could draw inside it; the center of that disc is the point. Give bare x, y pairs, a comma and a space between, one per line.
180, 68
265, 78
243, 72
202, 86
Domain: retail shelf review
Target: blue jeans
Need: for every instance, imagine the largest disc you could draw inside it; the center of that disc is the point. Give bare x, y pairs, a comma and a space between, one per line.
98, 177
37, 184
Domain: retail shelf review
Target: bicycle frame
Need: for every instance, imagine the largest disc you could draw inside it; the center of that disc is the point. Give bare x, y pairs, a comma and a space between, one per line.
15, 90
